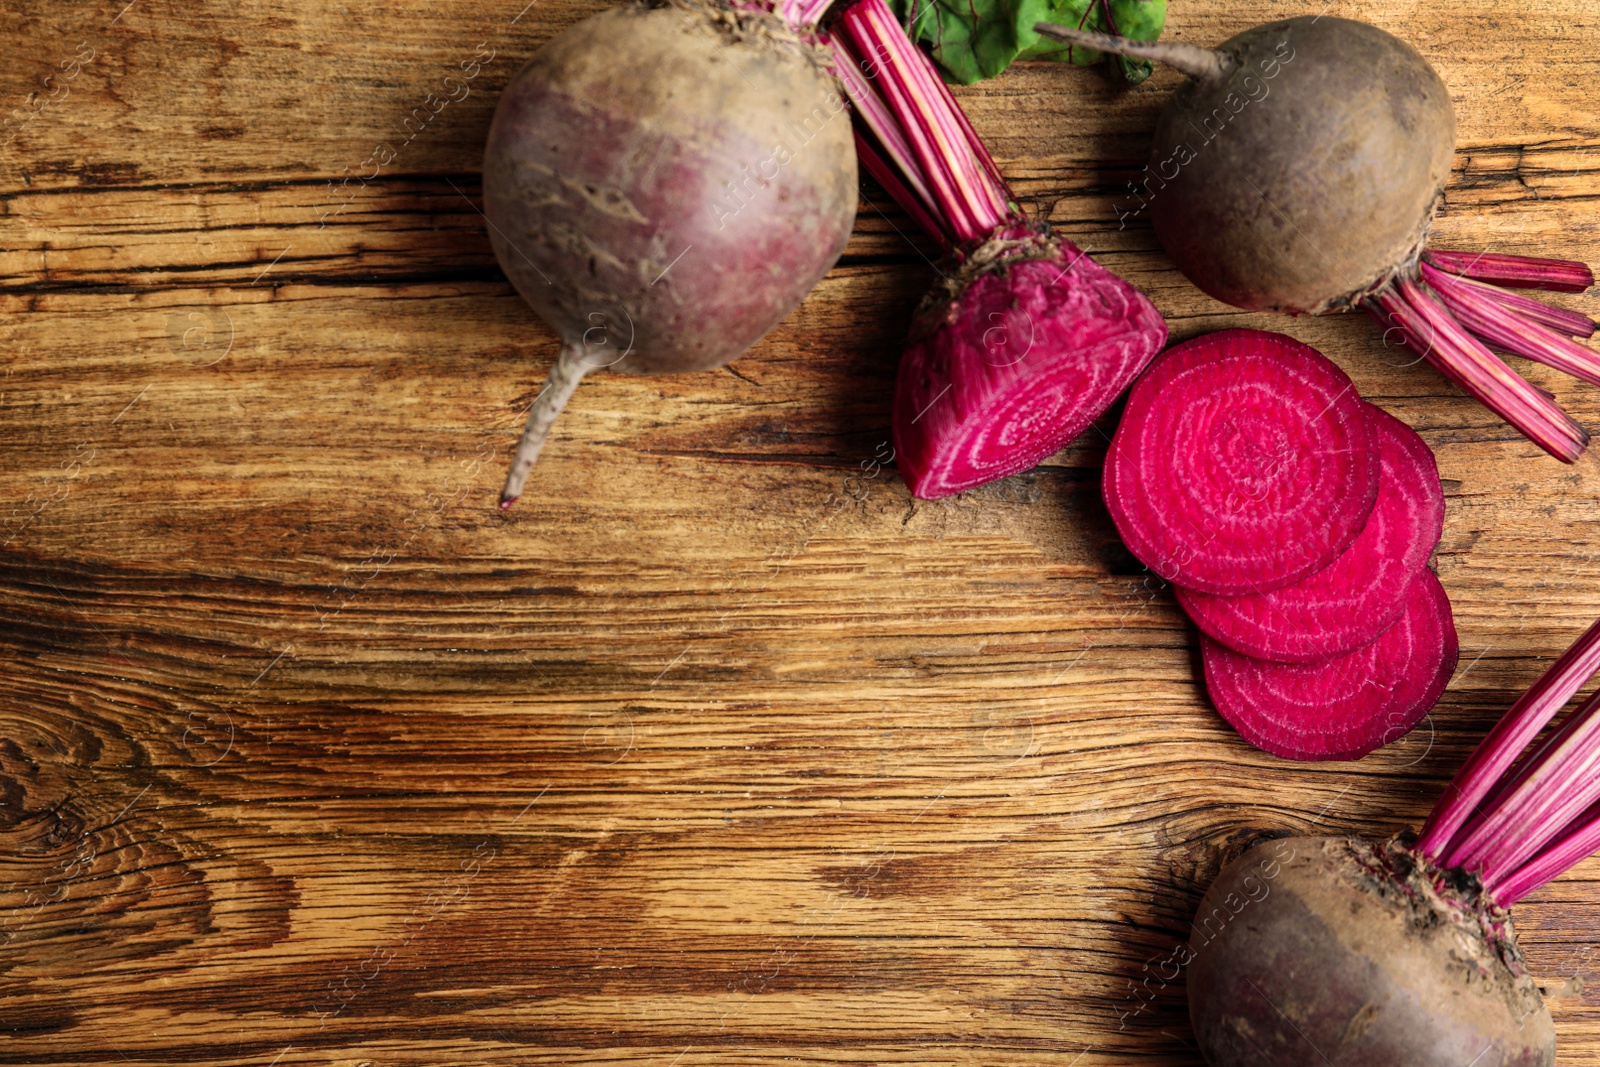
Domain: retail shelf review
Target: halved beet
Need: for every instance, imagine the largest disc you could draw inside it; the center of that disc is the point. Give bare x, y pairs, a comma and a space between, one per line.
1346, 706
1358, 596
1244, 463
1012, 357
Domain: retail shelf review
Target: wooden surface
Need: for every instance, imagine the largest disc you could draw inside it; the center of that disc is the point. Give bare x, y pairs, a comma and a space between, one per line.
718, 749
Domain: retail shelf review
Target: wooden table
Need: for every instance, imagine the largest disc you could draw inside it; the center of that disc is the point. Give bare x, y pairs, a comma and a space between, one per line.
716, 750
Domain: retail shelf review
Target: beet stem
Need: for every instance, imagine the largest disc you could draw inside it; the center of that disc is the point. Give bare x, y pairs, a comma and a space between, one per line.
1487, 377
1494, 756
1554, 785
565, 375
1578, 843
802, 13
898, 95
915, 205
891, 152
1518, 272
1391, 312
1501, 326
1201, 64
1562, 320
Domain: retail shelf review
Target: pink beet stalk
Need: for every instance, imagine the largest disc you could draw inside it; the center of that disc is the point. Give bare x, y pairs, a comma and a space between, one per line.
923, 135
1434, 332
1494, 757
797, 13
1026, 340
1449, 313
1561, 320
1575, 845
1519, 826
1519, 727
1518, 334
1516, 272
1555, 785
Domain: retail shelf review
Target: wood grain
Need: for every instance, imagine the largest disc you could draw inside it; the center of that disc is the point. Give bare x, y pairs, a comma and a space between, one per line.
718, 748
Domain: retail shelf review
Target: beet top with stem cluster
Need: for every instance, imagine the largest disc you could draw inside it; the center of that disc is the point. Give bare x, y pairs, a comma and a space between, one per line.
1354, 953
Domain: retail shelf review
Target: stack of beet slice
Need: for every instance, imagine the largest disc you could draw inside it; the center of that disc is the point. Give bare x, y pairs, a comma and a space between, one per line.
1296, 521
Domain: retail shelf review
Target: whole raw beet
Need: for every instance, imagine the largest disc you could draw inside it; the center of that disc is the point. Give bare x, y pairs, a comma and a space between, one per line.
1349, 953
1310, 222
1298, 170
664, 183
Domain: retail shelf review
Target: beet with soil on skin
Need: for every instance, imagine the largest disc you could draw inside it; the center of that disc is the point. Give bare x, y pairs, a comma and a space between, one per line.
1361, 593
1341, 707
1244, 462
663, 221
1349, 953
1402, 953
1025, 340
1260, 222
1298, 170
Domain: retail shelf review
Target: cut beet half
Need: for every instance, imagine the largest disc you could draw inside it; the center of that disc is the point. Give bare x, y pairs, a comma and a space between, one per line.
1244, 463
1026, 340
1345, 707
1007, 364
1358, 596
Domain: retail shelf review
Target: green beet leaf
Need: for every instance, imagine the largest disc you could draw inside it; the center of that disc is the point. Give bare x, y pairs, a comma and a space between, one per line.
976, 39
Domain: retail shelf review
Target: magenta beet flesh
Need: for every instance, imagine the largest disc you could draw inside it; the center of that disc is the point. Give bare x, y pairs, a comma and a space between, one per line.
1026, 340
1347, 706
1244, 463
1360, 594
1009, 362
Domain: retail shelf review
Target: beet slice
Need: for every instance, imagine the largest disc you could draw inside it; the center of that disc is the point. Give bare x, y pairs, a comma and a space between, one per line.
1358, 596
1344, 707
1244, 463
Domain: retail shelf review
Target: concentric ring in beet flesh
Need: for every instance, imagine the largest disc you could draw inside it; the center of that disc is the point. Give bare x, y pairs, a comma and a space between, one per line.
1244, 462
1359, 595
1345, 707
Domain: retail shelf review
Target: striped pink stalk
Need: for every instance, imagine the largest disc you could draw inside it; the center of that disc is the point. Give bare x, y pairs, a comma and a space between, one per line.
1518, 827
1393, 312
919, 129
1452, 318
1499, 325
886, 175
1516, 729
1543, 798
893, 150
801, 14
1516, 272
1486, 376
1580, 841
1562, 320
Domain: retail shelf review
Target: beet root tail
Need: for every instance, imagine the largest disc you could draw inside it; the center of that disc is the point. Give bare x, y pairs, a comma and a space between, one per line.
565, 375
1202, 64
